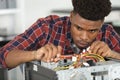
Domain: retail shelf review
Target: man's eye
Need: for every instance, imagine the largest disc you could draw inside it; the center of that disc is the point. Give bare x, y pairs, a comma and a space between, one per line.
92, 31
78, 28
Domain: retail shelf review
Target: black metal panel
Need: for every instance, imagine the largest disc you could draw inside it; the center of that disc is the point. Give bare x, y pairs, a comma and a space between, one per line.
42, 73
3, 74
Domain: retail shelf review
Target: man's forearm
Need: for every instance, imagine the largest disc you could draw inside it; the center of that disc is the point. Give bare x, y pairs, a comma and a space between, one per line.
16, 57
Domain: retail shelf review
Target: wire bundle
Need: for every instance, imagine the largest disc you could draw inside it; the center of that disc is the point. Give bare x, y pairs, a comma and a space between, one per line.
94, 57
79, 61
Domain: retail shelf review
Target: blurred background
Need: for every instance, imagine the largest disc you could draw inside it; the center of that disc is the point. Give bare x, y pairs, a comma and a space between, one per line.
18, 15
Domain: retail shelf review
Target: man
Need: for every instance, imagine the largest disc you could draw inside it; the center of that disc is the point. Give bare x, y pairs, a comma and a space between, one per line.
52, 36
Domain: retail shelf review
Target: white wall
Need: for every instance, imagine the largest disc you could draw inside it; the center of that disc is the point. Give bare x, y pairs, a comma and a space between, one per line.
35, 9
115, 2
31, 10
114, 16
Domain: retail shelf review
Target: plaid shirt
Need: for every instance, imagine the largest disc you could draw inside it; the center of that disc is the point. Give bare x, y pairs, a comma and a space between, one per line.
56, 30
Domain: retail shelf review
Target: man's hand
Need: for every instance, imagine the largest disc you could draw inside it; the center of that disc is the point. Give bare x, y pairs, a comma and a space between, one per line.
48, 53
101, 48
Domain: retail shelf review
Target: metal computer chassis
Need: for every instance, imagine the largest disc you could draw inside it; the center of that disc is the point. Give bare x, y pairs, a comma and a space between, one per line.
108, 70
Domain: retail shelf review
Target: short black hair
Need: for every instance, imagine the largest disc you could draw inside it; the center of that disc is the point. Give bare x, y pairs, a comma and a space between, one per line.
92, 9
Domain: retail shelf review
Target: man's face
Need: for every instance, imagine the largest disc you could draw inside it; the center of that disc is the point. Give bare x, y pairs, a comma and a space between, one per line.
84, 31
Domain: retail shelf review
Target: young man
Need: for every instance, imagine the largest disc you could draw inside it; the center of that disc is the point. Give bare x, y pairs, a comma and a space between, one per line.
52, 36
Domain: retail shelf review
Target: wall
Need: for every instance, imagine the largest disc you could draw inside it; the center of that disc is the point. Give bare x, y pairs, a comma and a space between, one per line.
31, 10
115, 2
35, 9
114, 16
41, 8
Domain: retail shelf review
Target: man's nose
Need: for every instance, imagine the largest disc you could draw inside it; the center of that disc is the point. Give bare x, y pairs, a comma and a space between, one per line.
84, 35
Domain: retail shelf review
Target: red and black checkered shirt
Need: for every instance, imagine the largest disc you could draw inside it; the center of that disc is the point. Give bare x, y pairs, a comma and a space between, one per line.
56, 30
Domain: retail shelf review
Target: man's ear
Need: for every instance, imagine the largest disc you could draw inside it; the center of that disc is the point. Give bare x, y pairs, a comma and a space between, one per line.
71, 15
